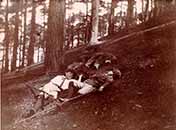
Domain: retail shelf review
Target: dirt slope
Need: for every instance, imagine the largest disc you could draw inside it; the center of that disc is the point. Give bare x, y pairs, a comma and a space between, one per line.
143, 99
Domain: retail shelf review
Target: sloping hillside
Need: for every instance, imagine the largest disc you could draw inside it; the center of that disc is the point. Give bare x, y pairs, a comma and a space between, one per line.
143, 99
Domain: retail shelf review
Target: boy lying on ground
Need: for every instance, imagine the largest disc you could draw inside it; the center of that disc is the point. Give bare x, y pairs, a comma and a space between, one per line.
60, 86
65, 86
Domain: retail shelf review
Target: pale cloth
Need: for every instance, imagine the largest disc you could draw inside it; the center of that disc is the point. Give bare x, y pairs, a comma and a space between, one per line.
52, 88
85, 88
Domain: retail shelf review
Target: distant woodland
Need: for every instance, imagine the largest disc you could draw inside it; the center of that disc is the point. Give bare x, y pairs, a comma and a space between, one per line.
41, 31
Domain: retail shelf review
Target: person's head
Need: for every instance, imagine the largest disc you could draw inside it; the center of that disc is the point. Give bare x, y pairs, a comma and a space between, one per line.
110, 75
69, 74
117, 73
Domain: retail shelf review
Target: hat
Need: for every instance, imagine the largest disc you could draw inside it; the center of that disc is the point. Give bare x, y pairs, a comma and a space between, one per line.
107, 61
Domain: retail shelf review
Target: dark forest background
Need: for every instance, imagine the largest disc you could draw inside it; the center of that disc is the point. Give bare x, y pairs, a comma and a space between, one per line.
41, 31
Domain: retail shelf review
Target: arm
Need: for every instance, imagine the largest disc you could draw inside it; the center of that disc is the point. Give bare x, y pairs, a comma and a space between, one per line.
103, 86
80, 78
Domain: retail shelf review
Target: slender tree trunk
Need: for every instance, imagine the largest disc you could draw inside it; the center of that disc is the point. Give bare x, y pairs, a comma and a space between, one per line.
87, 23
156, 9
7, 38
38, 54
3, 60
151, 12
121, 17
16, 40
55, 35
32, 36
146, 13
72, 35
142, 16
78, 38
44, 32
95, 20
21, 34
111, 17
129, 20
87, 8
24, 37
142, 5
20, 50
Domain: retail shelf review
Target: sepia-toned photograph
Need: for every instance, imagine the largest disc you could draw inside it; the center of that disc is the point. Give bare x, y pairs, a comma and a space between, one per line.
88, 64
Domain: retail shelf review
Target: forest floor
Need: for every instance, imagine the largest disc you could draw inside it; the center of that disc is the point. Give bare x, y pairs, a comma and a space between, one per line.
143, 99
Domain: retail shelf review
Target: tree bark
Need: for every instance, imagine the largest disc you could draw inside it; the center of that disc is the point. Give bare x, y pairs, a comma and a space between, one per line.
95, 20
55, 35
157, 8
24, 38
32, 36
146, 13
16, 40
7, 38
87, 31
129, 20
111, 17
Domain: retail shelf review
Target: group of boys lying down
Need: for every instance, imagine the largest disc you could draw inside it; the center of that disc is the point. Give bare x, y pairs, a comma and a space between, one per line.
80, 78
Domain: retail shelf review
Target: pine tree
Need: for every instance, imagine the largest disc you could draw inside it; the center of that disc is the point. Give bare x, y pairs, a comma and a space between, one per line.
30, 57
111, 17
7, 41
95, 20
16, 40
55, 35
24, 33
130, 12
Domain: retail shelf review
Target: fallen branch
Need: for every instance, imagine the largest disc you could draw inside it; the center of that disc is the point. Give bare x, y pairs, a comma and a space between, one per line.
24, 74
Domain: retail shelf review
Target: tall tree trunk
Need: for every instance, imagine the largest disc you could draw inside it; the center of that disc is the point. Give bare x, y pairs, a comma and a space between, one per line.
7, 38
95, 20
55, 35
142, 2
151, 12
111, 17
43, 44
21, 34
20, 50
16, 40
156, 9
121, 18
129, 20
87, 23
32, 36
146, 13
72, 36
142, 14
2, 65
78, 38
24, 37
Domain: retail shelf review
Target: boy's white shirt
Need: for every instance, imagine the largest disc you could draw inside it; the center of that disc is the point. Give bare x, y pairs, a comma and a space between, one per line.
58, 79
51, 89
